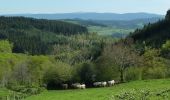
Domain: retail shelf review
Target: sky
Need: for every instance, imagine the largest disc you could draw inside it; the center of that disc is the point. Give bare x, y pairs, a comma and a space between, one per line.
69, 6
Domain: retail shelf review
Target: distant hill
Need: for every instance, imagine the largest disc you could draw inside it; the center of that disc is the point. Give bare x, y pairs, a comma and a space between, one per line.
91, 16
126, 24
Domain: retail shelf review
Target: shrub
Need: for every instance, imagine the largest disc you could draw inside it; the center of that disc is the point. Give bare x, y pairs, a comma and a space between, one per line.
58, 74
84, 73
5, 46
133, 73
106, 70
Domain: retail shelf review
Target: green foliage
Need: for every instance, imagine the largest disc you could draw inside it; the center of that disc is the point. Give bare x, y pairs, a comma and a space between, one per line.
58, 74
154, 35
19, 69
5, 46
106, 69
81, 48
143, 95
167, 17
165, 50
155, 66
133, 73
121, 56
36, 36
166, 46
86, 72
75, 57
133, 95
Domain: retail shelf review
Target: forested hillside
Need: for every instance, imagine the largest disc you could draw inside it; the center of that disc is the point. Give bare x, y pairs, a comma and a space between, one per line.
36, 36
155, 34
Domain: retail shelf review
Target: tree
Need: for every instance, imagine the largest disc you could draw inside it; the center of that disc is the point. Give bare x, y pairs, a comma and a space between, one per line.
168, 15
87, 73
105, 68
165, 50
58, 74
154, 65
21, 74
123, 56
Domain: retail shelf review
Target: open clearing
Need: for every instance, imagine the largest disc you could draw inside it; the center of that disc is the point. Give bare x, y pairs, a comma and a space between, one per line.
102, 93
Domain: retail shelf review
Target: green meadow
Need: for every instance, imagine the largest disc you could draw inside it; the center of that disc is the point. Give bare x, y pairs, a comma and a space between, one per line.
109, 93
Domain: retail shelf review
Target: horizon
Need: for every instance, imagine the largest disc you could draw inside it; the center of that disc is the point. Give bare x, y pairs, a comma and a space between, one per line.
82, 13
64, 6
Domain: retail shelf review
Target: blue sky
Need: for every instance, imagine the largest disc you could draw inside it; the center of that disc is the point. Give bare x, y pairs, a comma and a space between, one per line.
67, 6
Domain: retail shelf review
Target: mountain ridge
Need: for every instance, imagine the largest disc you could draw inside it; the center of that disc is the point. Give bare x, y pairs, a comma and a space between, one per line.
91, 16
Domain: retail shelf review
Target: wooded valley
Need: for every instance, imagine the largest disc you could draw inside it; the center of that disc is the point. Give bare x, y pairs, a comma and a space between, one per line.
39, 54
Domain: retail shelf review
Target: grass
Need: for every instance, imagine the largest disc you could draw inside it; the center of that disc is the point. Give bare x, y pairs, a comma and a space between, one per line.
4, 92
108, 30
102, 93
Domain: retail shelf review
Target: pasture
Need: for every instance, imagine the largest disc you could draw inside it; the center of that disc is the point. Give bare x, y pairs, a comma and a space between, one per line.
107, 31
156, 88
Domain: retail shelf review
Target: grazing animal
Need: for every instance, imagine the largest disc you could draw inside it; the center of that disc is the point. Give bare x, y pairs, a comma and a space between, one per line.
111, 83
104, 84
65, 86
83, 86
78, 86
100, 84
97, 84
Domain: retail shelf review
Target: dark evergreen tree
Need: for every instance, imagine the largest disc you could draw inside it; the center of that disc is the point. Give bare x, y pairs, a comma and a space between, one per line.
168, 15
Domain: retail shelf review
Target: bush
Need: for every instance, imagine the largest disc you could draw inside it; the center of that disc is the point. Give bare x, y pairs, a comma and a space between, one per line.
84, 73
144, 94
27, 90
133, 73
154, 65
58, 74
154, 73
5, 46
106, 70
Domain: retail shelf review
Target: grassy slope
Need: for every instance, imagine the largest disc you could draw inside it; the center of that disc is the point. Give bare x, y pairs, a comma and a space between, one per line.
102, 93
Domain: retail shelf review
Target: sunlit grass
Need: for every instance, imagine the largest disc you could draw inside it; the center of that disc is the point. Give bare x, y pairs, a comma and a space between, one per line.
102, 93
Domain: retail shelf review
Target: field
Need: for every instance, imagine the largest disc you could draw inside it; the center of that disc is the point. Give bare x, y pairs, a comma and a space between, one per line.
109, 30
158, 89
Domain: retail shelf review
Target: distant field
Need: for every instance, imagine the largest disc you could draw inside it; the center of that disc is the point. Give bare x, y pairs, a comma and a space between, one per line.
109, 30
108, 92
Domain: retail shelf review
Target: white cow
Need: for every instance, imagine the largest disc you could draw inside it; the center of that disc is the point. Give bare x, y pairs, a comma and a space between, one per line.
97, 84
104, 84
111, 83
83, 86
100, 84
78, 86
